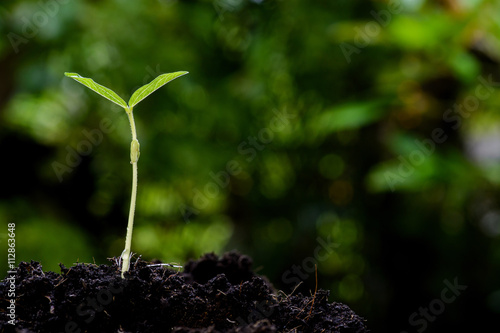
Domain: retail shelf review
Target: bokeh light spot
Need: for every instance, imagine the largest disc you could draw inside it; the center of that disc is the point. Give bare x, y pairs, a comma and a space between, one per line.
331, 166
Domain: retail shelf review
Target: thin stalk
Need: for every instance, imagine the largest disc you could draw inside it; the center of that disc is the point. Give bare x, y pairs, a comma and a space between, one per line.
134, 157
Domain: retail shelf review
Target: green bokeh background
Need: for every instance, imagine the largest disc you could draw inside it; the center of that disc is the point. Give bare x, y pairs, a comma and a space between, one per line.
327, 113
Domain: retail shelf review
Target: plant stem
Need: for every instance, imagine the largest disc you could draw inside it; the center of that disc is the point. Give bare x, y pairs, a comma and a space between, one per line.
134, 157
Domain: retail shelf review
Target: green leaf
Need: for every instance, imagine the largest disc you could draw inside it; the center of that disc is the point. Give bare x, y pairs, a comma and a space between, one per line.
101, 90
149, 88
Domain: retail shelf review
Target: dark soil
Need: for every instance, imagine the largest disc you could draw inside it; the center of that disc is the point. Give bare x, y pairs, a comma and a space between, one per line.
211, 295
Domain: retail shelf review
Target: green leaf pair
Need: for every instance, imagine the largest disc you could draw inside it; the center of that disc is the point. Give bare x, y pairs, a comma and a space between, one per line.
137, 96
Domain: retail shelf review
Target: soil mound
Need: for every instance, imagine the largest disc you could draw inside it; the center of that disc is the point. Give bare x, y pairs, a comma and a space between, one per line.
212, 294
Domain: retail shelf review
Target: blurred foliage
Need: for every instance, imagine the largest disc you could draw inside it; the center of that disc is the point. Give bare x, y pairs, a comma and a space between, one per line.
363, 124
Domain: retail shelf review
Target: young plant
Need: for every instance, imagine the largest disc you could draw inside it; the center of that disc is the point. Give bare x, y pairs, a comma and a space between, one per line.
137, 96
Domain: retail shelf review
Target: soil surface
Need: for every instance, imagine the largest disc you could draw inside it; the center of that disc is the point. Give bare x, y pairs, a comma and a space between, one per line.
212, 294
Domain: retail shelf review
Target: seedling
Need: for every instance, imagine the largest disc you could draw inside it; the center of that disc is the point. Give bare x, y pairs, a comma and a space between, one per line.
137, 96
